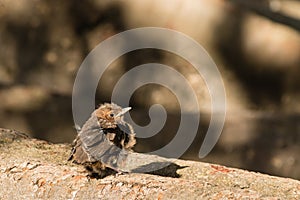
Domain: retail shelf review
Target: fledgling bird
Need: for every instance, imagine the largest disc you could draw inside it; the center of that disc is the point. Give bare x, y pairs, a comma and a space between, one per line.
103, 143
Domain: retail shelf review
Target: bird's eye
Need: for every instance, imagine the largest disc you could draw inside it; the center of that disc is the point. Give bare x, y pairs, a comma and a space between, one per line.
111, 115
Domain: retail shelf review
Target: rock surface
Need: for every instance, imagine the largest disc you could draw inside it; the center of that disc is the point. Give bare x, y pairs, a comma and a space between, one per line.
35, 169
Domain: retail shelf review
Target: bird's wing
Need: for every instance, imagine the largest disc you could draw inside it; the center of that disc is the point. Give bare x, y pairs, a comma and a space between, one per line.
78, 154
98, 147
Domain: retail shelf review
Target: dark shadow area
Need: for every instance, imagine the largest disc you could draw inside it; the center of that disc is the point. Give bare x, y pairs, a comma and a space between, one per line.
87, 17
264, 87
31, 43
276, 144
56, 115
165, 169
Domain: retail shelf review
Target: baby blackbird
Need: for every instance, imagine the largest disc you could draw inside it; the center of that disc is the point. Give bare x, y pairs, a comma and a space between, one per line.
103, 142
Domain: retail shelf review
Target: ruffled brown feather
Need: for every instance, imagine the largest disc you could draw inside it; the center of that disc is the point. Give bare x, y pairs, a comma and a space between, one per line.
104, 141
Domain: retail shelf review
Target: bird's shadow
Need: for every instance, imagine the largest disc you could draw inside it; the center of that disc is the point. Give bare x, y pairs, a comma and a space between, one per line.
165, 169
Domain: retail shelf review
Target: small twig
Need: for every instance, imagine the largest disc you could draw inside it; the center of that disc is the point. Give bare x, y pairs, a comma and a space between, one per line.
266, 11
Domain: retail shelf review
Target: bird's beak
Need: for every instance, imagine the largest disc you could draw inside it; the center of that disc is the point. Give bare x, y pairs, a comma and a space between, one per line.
124, 110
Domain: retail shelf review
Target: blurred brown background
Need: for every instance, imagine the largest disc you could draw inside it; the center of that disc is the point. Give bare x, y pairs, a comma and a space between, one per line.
42, 44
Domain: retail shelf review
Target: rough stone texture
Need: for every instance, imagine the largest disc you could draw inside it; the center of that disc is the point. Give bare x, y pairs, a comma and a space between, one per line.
35, 169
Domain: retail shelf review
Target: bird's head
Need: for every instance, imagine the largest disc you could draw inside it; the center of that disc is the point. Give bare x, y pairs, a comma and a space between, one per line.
110, 115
